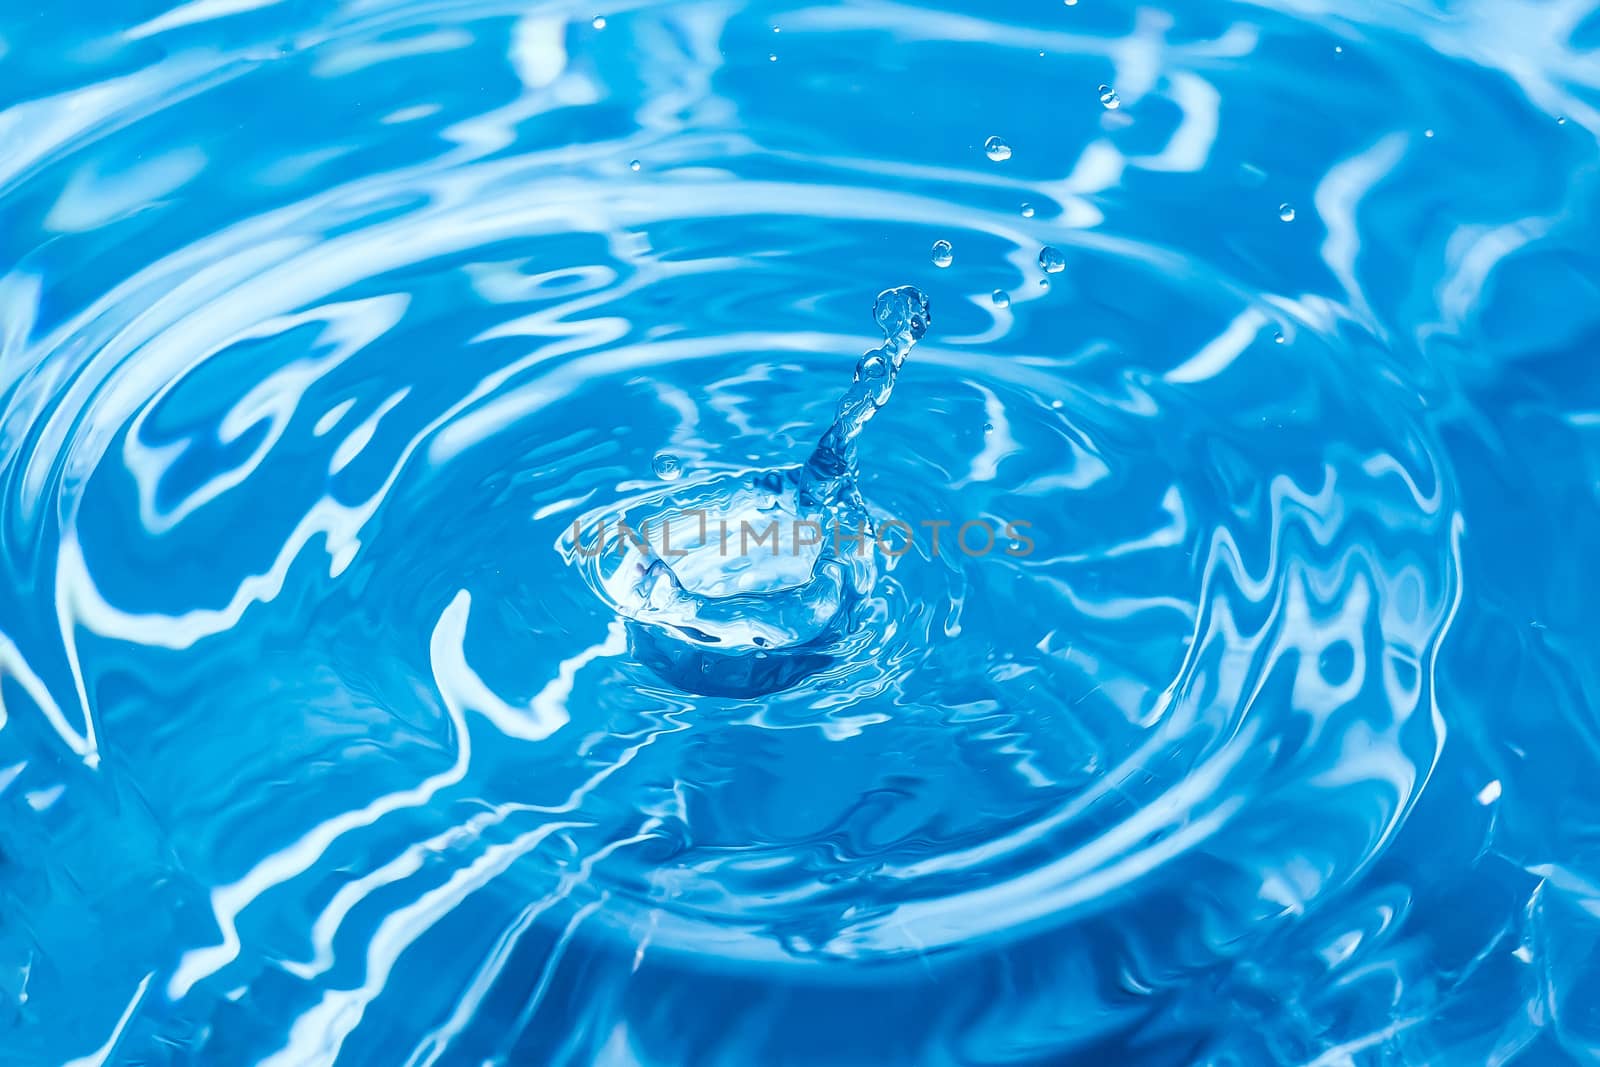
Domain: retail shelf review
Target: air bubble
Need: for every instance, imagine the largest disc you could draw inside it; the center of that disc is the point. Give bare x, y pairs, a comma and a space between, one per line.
943, 254
1286, 212
1051, 261
1001, 298
668, 468
996, 149
1108, 98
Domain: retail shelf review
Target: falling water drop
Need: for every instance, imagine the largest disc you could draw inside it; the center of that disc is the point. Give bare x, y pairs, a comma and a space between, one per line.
668, 468
1051, 261
1286, 212
599, 22
1027, 211
1277, 338
1427, 133
633, 164
773, 58
1108, 98
1001, 298
996, 149
943, 254
1562, 121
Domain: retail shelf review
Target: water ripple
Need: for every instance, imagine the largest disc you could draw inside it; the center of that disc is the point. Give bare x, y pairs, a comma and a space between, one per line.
1261, 732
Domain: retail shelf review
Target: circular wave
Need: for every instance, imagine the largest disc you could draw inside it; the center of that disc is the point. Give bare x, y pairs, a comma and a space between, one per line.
322, 333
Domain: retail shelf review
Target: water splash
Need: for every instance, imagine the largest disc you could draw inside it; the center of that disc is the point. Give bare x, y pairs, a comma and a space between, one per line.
737, 585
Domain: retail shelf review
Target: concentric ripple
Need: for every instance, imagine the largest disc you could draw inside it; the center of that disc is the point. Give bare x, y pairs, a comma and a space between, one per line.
1222, 690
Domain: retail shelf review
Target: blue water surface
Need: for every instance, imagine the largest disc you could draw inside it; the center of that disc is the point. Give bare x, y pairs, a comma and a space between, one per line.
1274, 324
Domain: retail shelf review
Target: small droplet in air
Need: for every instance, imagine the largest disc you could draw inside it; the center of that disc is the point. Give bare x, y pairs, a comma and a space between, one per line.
1051, 261
988, 427
633, 164
1338, 49
1108, 98
668, 468
1027, 211
1286, 212
1562, 121
1277, 338
773, 58
1057, 405
943, 254
1071, 3
599, 22
1001, 298
996, 149
777, 29
1427, 133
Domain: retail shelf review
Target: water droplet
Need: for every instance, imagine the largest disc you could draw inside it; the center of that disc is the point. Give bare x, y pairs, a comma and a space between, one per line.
1001, 298
668, 468
873, 366
1562, 121
1286, 212
773, 58
1108, 98
1027, 211
988, 427
943, 254
1057, 405
996, 149
1051, 261
1277, 338
1044, 283
1339, 49
1427, 133
633, 164
599, 22
777, 29
1071, 3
